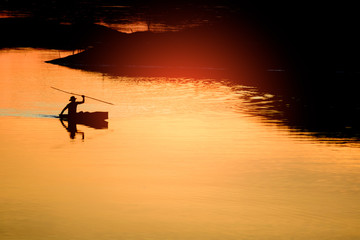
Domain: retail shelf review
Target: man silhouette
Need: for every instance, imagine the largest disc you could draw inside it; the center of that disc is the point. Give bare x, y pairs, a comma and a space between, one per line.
72, 106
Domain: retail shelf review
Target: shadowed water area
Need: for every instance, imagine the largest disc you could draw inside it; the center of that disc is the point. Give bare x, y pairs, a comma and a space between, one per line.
198, 151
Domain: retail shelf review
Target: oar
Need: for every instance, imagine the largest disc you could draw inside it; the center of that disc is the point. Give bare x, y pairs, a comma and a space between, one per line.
82, 95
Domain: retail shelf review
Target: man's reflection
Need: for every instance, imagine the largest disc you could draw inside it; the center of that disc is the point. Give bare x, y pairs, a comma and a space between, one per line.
72, 128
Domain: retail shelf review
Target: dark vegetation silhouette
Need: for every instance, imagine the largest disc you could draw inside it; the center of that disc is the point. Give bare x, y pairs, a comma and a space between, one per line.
30, 32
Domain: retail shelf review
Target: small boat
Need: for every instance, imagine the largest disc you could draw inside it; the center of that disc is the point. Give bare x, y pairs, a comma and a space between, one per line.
91, 119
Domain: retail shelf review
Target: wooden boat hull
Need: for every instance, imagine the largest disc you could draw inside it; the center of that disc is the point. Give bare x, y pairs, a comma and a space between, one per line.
91, 119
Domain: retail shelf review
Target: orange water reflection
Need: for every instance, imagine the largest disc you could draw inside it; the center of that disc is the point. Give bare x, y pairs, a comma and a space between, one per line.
182, 158
141, 26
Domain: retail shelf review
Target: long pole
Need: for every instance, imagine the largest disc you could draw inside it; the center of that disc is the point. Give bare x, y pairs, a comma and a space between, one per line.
82, 95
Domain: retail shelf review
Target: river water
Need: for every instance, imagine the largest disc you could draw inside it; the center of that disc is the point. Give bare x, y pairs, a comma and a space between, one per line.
180, 159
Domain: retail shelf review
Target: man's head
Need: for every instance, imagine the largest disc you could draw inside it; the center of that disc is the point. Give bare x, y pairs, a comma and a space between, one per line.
72, 99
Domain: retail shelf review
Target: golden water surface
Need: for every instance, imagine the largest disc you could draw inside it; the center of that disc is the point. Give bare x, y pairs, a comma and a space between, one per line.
180, 159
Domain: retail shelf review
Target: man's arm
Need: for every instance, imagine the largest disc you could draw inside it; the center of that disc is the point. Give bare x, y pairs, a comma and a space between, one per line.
63, 110
83, 100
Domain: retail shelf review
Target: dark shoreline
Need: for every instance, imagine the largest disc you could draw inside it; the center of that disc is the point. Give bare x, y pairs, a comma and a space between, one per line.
34, 33
300, 61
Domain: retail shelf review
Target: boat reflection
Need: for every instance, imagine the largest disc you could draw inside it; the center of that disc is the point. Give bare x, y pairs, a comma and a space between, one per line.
94, 120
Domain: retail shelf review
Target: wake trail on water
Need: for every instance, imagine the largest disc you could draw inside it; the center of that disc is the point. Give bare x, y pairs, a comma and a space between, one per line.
15, 113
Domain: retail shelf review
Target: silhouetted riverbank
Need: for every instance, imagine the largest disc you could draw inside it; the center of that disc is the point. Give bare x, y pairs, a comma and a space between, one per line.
30, 32
212, 51
307, 48
306, 69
